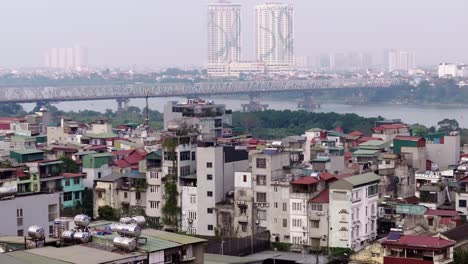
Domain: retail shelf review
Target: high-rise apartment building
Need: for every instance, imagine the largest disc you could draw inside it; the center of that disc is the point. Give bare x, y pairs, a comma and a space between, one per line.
66, 58
400, 60
224, 32
274, 36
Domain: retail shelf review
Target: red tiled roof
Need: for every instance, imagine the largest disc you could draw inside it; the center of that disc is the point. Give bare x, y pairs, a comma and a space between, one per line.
327, 176
307, 180
441, 212
445, 221
420, 241
122, 163
392, 126
356, 133
464, 179
323, 197
121, 152
408, 138
72, 175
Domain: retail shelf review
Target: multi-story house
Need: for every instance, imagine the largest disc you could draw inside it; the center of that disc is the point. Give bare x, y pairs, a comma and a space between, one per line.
443, 149
73, 187
243, 204
216, 166
96, 166
49, 173
22, 211
388, 132
461, 196
318, 217
279, 208
154, 193
432, 195
417, 249
353, 211
120, 191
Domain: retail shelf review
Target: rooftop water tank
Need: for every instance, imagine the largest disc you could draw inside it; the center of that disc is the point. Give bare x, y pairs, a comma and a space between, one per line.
139, 220
126, 243
67, 235
129, 230
82, 237
82, 220
125, 220
36, 231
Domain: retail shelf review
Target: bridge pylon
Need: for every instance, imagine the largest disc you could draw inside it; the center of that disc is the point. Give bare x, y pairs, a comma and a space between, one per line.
122, 104
253, 105
308, 103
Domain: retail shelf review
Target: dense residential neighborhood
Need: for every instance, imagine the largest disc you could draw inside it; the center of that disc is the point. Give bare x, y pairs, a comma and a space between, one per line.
385, 197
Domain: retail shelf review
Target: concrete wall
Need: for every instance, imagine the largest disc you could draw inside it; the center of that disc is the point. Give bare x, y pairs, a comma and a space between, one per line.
153, 178
94, 174
35, 212
445, 154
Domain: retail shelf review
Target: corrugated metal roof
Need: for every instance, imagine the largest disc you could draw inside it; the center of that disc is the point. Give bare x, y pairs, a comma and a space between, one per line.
365, 152
362, 178
27, 257
153, 244
28, 151
178, 238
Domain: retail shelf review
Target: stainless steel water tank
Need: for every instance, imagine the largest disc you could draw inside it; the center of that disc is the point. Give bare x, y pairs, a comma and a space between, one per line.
36, 231
125, 220
127, 243
67, 235
82, 237
82, 220
139, 220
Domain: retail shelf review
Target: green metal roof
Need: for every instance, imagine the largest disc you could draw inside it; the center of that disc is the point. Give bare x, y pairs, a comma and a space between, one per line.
321, 159
374, 144
27, 151
174, 237
366, 152
362, 178
27, 257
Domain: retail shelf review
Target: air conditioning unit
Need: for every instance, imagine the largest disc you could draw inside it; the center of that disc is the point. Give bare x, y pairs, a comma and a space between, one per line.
257, 222
267, 205
320, 213
190, 220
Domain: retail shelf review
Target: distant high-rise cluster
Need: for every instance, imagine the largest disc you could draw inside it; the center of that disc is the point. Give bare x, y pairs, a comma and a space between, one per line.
66, 58
397, 60
341, 61
274, 39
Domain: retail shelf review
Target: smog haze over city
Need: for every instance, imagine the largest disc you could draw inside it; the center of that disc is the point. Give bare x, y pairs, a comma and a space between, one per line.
173, 33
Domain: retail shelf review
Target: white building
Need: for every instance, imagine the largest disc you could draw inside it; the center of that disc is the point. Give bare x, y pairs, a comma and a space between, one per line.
451, 70
353, 211
274, 36
224, 34
398, 60
66, 58
21, 212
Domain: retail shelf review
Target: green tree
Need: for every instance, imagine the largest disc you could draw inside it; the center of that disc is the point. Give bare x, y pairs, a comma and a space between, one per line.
170, 209
69, 165
448, 125
107, 213
419, 130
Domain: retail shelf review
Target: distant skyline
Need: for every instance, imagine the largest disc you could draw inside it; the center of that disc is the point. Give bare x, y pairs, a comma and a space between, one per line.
173, 33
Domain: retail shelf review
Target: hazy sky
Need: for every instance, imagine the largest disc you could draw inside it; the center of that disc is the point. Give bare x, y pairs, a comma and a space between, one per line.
172, 32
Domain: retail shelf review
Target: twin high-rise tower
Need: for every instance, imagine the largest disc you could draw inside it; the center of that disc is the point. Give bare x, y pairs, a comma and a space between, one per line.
274, 41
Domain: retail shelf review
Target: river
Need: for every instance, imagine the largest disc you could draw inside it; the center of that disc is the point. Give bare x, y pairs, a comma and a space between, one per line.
426, 115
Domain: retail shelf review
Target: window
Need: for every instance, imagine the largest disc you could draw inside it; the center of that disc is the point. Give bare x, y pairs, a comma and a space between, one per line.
275, 204
285, 222
170, 155
297, 206
261, 179
192, 215
285, 207
373, 225
154, 204
209, 165
366, 210
67, 182
209, 193
76, 181
373, 209
185, 155
344, 215
19, 212
19, 232
154, 188
343, 233
193, 199
244, 227
316, 207
210, 227
51, 231
77, 195
262, 215
184, 170
153, 174
372, 190
125, 195
430, 221
243, 210
314, 223
261, 197
461, 203
19, 215
209, 177
209, 210
99, 175
366, 228
261, 163
241, 192
244, 178
296, 222
193, 155
275, 188
67, 196
275, 220
137, 195
100, 195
